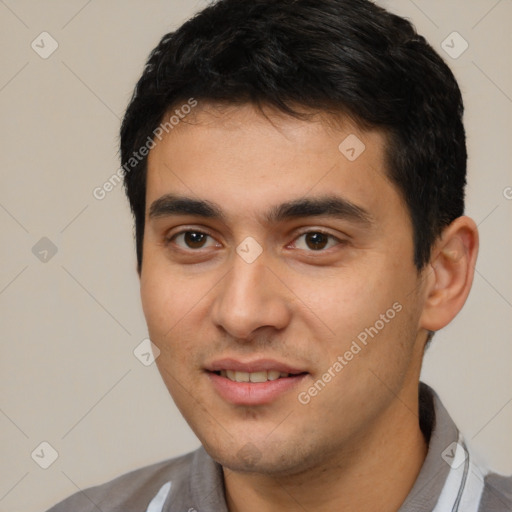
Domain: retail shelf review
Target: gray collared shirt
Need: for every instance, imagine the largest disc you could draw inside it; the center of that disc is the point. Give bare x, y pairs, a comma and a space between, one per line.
449, 480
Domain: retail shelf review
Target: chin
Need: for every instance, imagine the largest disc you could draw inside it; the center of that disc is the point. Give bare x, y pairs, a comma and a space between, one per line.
274, 459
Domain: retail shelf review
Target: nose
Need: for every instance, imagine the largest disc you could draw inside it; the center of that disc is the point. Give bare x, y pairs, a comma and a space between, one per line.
250, 297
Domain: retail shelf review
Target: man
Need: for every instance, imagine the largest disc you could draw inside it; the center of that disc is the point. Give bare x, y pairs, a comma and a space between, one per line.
296, 171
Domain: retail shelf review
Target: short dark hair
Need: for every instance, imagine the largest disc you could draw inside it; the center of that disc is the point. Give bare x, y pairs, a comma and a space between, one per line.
346, 57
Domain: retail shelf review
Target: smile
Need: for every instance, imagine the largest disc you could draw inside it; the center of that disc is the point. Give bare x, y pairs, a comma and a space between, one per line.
251, 383
261, 376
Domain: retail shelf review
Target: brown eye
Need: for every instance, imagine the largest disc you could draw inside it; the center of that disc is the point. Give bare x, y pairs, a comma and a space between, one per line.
192, 240
315, 241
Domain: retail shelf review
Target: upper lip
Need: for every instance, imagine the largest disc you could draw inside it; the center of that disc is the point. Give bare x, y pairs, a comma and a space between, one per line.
257, 365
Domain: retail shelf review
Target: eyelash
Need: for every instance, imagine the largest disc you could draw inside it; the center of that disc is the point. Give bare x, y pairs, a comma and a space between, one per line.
172, 238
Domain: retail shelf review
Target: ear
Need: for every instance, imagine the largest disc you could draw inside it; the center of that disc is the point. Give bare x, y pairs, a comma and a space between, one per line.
450, 273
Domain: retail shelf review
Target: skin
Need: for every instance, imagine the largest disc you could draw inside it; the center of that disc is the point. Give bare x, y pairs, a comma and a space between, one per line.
358, 440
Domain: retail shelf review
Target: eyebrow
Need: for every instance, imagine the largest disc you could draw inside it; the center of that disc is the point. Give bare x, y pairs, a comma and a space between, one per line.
331, 206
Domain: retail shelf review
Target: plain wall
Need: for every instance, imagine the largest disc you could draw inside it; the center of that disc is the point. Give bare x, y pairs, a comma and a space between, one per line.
69, 325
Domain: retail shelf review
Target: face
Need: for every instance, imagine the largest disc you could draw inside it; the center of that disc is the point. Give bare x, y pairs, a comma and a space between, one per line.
278, 283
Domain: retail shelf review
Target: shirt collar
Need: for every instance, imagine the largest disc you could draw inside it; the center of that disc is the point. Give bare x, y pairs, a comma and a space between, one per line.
434, 420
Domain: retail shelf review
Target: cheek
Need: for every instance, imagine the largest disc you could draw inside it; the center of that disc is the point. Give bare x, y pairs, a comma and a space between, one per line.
157, 304
166, 297
369, 315
348, 301
165, 308
173, 306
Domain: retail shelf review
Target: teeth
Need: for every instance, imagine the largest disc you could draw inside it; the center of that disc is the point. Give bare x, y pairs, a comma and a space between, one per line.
242, 376
258, 377
253, 376
273, 375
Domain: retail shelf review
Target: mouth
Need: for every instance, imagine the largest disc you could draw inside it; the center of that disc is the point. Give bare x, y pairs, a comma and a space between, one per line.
255, 383
260, 376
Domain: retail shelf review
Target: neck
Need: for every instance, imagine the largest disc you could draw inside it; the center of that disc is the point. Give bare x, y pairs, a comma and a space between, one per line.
376, 473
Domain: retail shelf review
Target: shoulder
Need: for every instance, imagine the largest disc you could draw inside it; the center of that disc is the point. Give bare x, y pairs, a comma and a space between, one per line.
131, 491
497, 493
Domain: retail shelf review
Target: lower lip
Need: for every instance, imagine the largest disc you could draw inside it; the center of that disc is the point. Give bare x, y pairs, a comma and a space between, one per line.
253, 393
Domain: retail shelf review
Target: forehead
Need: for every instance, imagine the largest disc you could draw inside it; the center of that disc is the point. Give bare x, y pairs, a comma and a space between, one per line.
248, 162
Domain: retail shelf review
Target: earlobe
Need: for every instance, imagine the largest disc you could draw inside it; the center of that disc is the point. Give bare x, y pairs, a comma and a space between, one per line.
452, 269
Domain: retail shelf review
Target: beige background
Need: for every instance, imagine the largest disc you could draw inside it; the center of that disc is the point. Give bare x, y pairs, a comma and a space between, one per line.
69, 325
